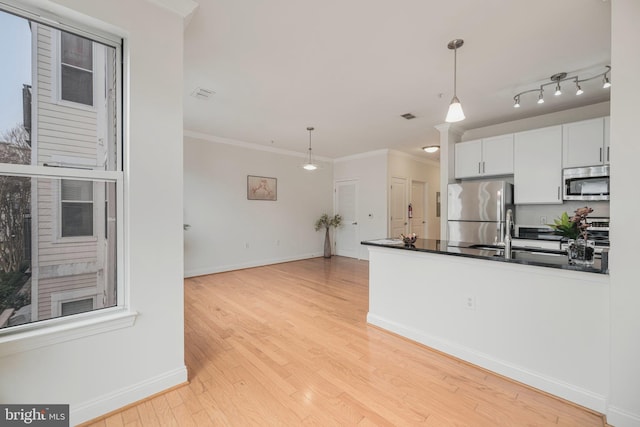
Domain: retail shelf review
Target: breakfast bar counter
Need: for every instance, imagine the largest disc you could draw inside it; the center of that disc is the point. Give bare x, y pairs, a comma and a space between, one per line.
545, 327
521, 255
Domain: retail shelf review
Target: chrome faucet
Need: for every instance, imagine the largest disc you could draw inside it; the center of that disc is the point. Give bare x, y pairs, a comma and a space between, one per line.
507, 234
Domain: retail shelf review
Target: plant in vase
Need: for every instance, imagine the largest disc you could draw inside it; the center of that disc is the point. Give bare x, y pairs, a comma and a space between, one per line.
574, 228
326, 222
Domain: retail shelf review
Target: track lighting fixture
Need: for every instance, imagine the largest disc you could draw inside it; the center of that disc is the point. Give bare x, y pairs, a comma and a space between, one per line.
557, 79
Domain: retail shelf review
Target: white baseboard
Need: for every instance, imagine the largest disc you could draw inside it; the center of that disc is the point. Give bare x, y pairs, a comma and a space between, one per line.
249, 264
94, 408
551, 385
621, 418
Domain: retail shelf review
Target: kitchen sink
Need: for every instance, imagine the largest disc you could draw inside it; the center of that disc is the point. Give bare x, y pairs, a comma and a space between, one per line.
518, 249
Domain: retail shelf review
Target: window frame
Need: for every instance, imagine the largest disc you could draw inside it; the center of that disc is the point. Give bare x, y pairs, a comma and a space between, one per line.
38, 334
59, 298
60, 64
59, 238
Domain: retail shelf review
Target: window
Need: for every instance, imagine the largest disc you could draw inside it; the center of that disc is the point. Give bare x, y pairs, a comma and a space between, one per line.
78, 306
76, 208
61, 175
76, 69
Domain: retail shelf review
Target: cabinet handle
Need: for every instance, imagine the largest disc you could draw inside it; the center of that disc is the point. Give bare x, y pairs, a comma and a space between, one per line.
559, 193
608, 154
483, 171
479, 167
600, 153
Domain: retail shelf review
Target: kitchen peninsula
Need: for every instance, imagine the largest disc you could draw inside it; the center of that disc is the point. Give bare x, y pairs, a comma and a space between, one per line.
544, 325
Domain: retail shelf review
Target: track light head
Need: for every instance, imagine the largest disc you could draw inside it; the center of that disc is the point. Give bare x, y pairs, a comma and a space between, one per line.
541, 98
517, 102
558, 90
605, 82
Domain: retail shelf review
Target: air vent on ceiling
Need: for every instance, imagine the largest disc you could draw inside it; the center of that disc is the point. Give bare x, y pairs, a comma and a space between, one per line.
408, 116
202, 93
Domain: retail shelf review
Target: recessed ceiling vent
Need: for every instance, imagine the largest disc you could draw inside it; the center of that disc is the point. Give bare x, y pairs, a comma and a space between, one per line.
202, 93
408, 116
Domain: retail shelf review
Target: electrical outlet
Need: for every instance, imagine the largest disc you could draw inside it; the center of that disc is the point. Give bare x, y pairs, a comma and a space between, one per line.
246, 245
470, 302
543, 220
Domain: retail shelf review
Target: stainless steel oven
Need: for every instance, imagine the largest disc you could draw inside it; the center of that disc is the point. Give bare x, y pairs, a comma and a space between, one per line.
588, 183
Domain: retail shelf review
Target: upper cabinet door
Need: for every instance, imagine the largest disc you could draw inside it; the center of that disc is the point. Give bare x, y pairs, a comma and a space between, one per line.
607, 141
468, 159
537, 156
497, 155
583, 143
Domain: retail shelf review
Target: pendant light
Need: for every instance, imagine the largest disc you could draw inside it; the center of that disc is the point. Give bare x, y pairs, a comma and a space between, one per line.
455, 113
310, 165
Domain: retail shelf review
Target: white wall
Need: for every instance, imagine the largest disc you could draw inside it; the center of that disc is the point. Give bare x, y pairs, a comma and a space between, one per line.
543, 120
370, 169
624, 401
223, 222
108, 370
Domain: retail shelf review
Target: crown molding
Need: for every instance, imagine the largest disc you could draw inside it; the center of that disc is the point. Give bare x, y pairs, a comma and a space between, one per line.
249, 145
184, 8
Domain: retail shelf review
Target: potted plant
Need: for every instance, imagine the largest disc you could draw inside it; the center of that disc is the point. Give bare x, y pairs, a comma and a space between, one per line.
574, 228
326, 222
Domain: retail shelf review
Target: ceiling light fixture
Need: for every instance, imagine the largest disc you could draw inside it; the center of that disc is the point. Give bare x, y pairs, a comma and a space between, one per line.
517, 103
310, 165
455, 113
431, 148
557, 78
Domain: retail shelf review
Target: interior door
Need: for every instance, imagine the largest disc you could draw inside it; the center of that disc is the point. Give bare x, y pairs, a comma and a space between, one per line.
346, 201
418, 221
398, 221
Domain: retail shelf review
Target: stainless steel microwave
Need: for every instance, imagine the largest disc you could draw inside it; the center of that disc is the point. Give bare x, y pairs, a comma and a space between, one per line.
588, 183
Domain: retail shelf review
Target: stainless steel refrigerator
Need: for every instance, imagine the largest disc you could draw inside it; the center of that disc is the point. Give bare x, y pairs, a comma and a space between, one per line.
477, 211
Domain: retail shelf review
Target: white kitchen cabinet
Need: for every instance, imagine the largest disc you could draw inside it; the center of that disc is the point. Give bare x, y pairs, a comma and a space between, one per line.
468, 159
607, 151
537, 167
583, 143
484, 157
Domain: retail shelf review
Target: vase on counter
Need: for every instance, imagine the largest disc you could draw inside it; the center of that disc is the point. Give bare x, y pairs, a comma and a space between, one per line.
581, 252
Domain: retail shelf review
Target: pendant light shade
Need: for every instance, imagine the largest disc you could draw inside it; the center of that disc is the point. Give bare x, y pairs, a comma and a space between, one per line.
455, 113
310, 164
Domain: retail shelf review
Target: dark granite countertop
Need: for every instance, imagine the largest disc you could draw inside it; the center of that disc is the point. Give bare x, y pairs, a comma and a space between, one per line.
536, 257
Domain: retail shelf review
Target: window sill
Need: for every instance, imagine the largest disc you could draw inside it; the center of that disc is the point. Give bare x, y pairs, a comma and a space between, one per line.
65, 329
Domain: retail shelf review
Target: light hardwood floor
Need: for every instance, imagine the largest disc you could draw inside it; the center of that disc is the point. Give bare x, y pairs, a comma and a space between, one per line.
289, 345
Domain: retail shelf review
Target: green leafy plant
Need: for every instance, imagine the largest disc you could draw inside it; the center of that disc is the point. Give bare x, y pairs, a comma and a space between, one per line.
574, 226
326, 221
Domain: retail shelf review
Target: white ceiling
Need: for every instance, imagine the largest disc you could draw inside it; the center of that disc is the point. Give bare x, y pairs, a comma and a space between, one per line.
350, 68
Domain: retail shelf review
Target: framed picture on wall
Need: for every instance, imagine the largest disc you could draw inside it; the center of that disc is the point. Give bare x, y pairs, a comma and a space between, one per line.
262, 188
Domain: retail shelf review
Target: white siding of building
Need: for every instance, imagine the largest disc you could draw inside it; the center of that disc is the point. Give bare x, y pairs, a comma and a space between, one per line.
64, 130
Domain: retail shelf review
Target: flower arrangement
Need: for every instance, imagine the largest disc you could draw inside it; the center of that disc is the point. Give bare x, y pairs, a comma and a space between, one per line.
410, 239
580, 250
325, 221
573, 227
